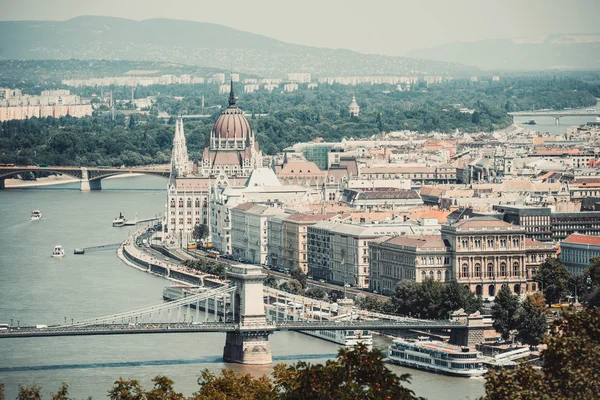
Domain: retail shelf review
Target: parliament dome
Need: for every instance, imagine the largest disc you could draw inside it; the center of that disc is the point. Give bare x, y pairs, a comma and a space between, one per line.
231, 124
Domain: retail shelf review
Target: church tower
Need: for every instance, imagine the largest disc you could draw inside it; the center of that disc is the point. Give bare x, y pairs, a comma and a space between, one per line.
354, 109
180, 162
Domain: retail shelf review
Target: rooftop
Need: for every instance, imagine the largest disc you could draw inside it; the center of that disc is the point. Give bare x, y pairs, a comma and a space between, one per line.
583, 239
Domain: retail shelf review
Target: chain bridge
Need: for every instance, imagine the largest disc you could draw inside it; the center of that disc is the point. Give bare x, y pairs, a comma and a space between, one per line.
90, 178
238, 310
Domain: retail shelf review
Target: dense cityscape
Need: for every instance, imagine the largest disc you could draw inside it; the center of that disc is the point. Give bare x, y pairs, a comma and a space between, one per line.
311, 224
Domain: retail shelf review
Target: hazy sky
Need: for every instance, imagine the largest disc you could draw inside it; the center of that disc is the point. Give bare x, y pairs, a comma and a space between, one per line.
371, 26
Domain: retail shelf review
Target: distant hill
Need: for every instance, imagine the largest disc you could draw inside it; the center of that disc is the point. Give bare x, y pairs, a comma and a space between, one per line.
546, 52
196, 43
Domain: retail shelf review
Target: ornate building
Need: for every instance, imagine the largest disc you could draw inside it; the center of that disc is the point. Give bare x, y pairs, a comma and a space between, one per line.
232, 148
354, 109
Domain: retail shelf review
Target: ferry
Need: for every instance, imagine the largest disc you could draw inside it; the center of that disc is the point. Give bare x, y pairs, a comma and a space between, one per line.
530, 122
437, 357
36, 215
119, 221
58, 251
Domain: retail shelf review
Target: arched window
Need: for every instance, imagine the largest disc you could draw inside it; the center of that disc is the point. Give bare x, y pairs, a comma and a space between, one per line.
465, 271
478, 290
517, 289
423, 275
431, 274
490, 270
439, 275
477, 270
491, 290
516, 269
503, 269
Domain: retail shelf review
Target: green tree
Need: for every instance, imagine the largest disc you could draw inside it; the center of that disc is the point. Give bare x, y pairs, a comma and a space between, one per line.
1, 390
201, 232
571, 363
163, 390
405, 297
126, 390
531, 322
131, 122
555, 277
233, 386
298, 275
292, 286
63, 392
315, 293
271, 281
29, 393
505, 312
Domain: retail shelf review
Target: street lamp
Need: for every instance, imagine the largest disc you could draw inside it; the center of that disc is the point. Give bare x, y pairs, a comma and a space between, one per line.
575, 286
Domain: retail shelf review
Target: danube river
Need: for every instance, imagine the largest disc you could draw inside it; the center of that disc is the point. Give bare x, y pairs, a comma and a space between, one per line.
547, 125
38, 289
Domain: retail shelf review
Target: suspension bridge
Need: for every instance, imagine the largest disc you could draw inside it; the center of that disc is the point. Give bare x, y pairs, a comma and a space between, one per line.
237, 310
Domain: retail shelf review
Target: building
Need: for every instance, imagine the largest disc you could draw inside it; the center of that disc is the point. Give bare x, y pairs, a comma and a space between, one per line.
233, 150
381, 199
418, 175
299, 77
577, 250
354, 109
535, 220
288, 238
249, 231
219, 79
412, 257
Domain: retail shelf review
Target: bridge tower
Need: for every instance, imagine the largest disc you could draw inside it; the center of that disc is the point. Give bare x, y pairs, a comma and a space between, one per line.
249, 344
86, 185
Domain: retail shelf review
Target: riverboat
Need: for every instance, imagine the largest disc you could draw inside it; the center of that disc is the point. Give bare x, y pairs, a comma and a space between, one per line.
436, 356
530, 122
119, 221
58, 251
36, 215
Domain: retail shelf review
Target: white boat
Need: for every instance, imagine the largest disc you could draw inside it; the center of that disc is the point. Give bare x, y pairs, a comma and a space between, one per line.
437, 357
119, 221
58, 251
598, 118
36, 215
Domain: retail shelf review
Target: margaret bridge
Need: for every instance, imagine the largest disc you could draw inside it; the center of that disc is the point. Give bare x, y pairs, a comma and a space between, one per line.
557, 115
90, 178
238, 310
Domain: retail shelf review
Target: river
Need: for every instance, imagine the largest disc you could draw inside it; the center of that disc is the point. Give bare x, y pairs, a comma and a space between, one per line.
546, 124
38, 289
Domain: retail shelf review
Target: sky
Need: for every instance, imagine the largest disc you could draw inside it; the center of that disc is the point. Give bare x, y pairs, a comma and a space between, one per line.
391, 27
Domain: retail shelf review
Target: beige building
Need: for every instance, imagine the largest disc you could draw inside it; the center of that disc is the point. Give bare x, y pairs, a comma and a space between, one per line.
249, 231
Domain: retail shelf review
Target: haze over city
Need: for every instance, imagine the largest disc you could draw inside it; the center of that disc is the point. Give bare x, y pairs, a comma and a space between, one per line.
323, 199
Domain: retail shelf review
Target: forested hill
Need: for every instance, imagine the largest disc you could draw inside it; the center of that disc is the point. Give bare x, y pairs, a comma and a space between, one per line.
196, 43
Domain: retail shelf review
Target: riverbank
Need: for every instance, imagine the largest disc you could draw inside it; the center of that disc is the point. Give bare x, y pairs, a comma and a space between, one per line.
53, 180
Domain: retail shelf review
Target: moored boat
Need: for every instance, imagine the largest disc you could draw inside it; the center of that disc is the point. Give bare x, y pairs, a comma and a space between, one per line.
437, 357
36, 215
530, 122
58, 251
119, 221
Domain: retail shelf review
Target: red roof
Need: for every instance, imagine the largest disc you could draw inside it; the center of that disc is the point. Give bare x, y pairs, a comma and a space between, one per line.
583, 239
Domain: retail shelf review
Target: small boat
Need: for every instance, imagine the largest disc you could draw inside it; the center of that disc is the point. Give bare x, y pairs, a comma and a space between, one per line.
58, 251
79, 251
119, 221
36, 215
530, 122
598, 118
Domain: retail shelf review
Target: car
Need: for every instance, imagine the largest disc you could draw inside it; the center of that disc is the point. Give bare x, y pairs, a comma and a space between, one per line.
347, 285
166, 258
266, 267
309, 277
375, 292
322, 280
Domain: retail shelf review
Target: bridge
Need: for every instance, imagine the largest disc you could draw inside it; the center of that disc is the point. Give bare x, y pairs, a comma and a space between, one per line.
556, 114
90, 178
238, 311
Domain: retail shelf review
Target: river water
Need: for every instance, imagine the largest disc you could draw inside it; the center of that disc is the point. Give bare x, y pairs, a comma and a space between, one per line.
38, 289
547, 124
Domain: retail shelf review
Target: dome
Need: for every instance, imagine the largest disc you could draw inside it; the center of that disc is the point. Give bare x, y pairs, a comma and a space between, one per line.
231, 124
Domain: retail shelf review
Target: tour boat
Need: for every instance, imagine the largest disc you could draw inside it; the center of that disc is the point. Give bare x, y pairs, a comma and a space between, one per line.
437, 357
58, 251
119, 221
530, 122
36, 215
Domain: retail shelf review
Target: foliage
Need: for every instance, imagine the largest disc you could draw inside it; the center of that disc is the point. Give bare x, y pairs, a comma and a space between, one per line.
208, 267
234, 386
1, 390
555, 277
531, 321
29, 393
163, 390
201, 232
126, 390
298, 275
315, 293
505, 311
271, 281
571, 364
292, 286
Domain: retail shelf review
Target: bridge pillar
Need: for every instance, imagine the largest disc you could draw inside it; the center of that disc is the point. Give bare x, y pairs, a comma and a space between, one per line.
473, 333
249, 344
86, 184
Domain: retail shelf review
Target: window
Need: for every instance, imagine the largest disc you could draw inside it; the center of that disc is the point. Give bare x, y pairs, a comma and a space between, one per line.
516, 269
502, 269
439, 275
490, 243
477, 243
464, 243
477, 270
465, 271
490, 270
502, 242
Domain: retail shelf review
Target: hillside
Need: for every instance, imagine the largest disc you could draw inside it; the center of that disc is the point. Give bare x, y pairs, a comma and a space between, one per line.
547, 52
196, 43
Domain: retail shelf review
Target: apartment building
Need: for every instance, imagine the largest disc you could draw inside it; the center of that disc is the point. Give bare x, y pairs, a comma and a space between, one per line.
577, 250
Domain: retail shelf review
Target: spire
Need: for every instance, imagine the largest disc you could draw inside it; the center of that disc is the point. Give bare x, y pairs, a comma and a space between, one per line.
231, 96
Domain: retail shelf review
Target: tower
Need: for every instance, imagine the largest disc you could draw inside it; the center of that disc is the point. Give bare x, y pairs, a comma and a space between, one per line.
354, 109
249, 343
180, 162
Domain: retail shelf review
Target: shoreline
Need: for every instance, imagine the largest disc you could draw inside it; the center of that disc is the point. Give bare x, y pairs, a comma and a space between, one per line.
54, 180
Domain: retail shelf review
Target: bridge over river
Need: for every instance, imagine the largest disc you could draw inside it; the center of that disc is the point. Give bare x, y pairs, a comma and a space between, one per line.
592, 112
90, 177
242, 318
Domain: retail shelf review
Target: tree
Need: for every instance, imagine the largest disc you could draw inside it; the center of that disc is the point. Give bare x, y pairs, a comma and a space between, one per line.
298, 275
163, 390
505, 312
455, 296
292, 286
555, 277
271, 281
201, 232
571, 363
234, 386
315, 293
131, 122
1, 390
63, 392
126, 390
531, 321
29, 393
405, 296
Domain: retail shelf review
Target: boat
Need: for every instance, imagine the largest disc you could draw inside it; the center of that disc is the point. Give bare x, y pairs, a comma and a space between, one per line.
598, 118
36, 215
119, 221
79, 251
530, 122
436, 356
58, 251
